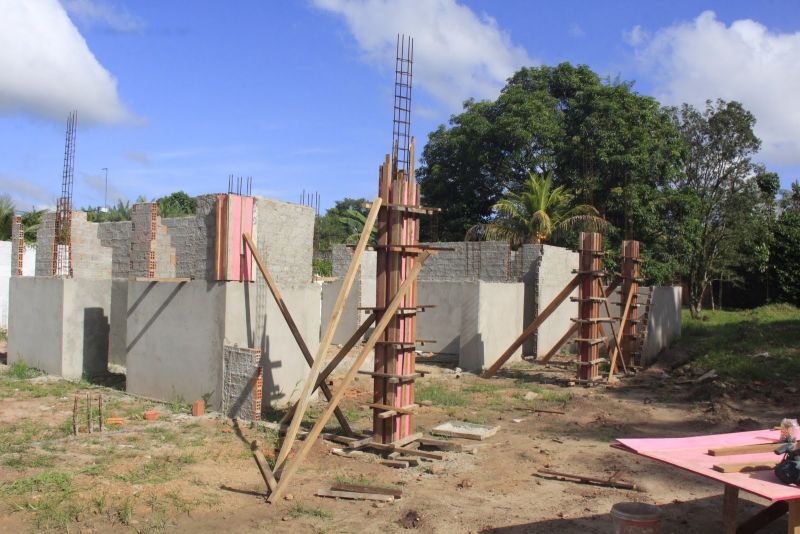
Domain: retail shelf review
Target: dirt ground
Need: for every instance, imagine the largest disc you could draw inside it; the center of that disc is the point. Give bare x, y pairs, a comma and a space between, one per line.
196, 474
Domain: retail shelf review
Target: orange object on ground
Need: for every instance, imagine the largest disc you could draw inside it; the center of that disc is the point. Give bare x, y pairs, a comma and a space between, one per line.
152, 415
115, 421
198, 408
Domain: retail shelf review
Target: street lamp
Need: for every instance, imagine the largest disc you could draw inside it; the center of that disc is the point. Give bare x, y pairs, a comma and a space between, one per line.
104, 209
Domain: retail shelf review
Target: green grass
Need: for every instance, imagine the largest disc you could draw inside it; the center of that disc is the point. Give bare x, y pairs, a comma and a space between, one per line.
298, 510
439, 394
158, 470
3, 334
726, 340
179, 405
22, 371
361, 480
559, 396
46, 495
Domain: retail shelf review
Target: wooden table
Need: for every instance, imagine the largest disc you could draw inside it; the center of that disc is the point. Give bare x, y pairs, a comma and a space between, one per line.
692, 454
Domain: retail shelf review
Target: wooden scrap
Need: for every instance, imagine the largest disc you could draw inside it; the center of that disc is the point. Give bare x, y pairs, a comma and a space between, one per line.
394, 492
410, 452
347, 453
263, 467
353, 495
398, 464
460, 429
581, 479
745, 467
441, 444
744, 449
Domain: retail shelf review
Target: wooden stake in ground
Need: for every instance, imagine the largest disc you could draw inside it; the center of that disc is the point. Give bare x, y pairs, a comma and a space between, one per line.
287, 316
293, 465
89, 412
336, 314
100, 412
75, 417
615, 351
528, 332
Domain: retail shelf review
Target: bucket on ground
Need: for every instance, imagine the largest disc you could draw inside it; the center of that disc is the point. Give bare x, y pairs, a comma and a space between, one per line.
635, 518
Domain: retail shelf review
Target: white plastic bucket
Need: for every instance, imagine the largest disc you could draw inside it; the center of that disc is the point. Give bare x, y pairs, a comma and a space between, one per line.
635, 518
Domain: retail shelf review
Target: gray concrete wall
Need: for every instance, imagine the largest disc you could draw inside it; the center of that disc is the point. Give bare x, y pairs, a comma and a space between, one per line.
60, 326
492, 318
361, 295
117, 237
118, 328
44, 245
175, 333
90, 259
36, 328
194, 240
664, 322
554, 272
443, 322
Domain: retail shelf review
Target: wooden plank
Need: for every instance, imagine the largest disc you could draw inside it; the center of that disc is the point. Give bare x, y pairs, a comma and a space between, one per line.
263, 467
398, 464
585, 479
402, 442
397, 493
745, 467
287, 316
560, 343
294, 465
352, 495
730, 507
615, 351
410, 452
794, 517
399, 409
605, 292
528, 332
744, 449
338, 308
441, 444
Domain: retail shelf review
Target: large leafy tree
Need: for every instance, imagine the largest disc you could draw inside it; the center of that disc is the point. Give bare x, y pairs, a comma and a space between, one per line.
329, 227
7, 211
784, 254
536, 214
719, 174
614, 148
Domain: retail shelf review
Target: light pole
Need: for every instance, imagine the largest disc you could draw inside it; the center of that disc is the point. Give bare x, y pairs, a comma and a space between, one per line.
105, 192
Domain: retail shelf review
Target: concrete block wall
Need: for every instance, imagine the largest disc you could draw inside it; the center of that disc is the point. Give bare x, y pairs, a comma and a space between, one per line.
44, 244
194, 239
117, 237
90, 259
554, 270
361, 295
285, 240
150, 244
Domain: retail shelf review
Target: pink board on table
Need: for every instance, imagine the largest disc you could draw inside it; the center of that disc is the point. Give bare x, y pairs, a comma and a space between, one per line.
692, 455
234, 260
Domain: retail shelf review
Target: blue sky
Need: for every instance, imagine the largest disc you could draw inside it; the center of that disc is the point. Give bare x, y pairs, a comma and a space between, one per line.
177, 95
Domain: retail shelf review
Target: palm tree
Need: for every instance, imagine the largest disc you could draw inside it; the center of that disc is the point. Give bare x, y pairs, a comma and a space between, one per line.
31, 220
354, 222
539, 212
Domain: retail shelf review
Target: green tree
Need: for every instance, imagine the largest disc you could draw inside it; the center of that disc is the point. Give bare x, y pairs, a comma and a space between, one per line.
536, 214
329, 228
785, 256
177, 204
718, 171
353, 223
31, 221
7, 212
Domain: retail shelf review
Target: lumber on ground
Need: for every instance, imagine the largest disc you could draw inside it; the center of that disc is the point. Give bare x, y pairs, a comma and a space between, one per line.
368, 489
294, 465
353, 495
568, 477
319, 360
263, 467
569, 288
744, 449
287, 316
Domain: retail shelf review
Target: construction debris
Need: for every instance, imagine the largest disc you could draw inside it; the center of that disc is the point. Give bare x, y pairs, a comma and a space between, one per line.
581, 479
460, 429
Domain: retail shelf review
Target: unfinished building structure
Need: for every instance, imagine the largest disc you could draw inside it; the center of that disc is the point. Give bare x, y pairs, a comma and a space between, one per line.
173, 302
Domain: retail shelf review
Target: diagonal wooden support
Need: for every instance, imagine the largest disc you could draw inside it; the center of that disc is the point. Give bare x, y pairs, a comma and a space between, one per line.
560, 343
626, 310
336, 314
344, 351
292, 326
528, 332
605, 292
293, 465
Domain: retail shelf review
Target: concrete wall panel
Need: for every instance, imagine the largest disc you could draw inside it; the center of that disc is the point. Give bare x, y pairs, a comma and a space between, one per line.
36, 328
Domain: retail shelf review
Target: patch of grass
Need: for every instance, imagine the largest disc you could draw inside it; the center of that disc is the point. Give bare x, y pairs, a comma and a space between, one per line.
479, 388
124, 512
558, 396
22, 371
298, 510
29, 460
439, 394
361, 480
726, 340
158, 470
47, 482
162, 434
179, 405
3, 334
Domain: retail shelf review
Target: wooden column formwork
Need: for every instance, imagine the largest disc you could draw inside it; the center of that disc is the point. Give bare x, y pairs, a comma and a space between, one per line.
397, 248
631, 272
590, 299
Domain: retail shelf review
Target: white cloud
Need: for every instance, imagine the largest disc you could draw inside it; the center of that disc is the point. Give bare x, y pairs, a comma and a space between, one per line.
457, 54
635, 36
101, 13
27, 194
47, 69
576, 30
138, 157
702, 59
97, 184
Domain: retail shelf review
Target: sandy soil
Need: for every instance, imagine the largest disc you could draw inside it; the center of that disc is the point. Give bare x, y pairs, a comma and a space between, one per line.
491, 488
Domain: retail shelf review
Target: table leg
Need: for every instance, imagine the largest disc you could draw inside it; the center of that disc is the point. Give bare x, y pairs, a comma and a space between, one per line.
794, 517
729, 508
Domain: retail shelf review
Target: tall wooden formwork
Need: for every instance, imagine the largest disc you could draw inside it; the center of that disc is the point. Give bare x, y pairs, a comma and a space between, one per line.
631, 272
590, 299
397, 248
